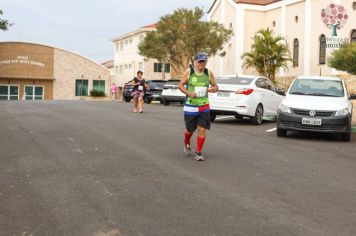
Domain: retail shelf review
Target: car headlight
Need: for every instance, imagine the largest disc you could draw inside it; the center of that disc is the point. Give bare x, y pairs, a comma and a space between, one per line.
284, 108
342, 112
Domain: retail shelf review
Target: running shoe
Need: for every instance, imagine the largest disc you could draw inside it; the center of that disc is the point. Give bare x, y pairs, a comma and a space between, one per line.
187, 149
198, 156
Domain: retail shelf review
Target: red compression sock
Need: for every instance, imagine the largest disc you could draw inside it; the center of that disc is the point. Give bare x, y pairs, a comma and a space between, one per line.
200, 143
187, 137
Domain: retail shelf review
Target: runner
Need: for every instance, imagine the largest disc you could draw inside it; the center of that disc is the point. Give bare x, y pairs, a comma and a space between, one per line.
138, 91
113, 91
196, 107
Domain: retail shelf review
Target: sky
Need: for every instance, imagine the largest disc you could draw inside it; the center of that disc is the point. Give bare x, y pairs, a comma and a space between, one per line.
84, 26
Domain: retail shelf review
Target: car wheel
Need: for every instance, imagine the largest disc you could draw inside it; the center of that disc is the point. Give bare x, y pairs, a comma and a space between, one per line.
257, 119
345, 137
281, 132
238, 117
127, 99
166, 102
181, 103
212, 118
148, 101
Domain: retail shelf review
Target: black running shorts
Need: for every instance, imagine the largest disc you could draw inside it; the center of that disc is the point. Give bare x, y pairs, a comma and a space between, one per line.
202, 120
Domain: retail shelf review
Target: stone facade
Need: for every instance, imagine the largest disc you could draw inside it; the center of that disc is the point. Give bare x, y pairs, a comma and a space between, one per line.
68, 67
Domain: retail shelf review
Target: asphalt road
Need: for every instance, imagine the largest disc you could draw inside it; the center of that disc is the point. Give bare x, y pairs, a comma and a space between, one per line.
97, 169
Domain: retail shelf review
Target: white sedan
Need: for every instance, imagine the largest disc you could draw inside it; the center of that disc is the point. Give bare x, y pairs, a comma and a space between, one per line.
245, 96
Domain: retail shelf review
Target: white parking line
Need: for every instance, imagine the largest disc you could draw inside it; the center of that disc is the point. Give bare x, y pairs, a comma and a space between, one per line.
271, 130
224, 117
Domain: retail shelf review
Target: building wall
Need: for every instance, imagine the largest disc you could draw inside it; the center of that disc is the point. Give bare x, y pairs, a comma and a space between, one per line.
319, 28
229, 47
68, 67
295, 30
129, 59
214, 62
257, 17
19, 60
21, 83
254, 21
54, 69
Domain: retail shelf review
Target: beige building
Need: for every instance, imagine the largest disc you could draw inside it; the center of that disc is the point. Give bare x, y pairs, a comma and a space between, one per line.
37, 72
127, 60
310, 27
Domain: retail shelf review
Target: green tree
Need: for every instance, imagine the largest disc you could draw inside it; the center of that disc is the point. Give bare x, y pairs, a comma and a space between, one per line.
4, 24
181, 35
344, 58
268, 53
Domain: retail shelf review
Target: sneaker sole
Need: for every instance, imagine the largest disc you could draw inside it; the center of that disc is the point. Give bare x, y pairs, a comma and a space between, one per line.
187, 151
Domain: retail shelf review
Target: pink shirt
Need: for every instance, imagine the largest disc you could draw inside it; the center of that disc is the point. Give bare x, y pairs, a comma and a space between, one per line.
113, 89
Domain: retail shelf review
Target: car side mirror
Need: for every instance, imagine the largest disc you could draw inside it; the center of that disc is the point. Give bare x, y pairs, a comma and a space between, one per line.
352, 96
281, 92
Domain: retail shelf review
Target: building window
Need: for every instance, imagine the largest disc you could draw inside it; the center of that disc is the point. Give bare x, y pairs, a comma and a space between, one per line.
354, 6
295, 52
121, 46
157, 67
99, 85
322, 49
274, 23
296, 18
353, 36
167, 68
33, 92
130, 41
81, 87
130, 66
121, 70
117, 47
140, 66
9, 92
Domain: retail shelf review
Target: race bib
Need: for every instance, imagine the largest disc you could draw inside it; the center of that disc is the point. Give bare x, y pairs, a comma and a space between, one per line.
201, 91
140, 87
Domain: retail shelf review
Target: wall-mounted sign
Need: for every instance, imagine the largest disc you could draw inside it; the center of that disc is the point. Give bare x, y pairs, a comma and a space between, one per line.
336, 42
22, 60
334, 16
26, 60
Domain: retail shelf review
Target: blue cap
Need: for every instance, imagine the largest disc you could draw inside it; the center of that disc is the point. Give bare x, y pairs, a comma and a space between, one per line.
200, 57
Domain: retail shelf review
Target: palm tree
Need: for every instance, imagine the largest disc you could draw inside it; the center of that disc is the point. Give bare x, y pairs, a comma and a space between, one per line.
268, 54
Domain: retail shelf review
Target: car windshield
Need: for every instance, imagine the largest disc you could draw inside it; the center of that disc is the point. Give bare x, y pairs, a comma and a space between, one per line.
234, 80
173, 82
156, 84
317, 87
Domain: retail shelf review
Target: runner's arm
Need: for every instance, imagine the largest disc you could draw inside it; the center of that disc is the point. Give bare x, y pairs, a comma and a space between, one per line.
214, 86
184, 81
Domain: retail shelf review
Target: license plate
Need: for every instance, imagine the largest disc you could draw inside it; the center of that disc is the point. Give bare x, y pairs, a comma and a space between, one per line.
223, 94
311, 121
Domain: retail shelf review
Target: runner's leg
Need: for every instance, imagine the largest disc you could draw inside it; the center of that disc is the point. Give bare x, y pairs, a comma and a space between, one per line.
140, 100
135, 101
200, 139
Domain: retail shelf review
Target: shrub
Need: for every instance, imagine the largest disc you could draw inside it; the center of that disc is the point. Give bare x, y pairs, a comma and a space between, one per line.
344, 58
97, 93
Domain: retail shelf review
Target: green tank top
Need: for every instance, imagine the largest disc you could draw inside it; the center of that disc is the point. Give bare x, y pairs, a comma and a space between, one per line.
199, 84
